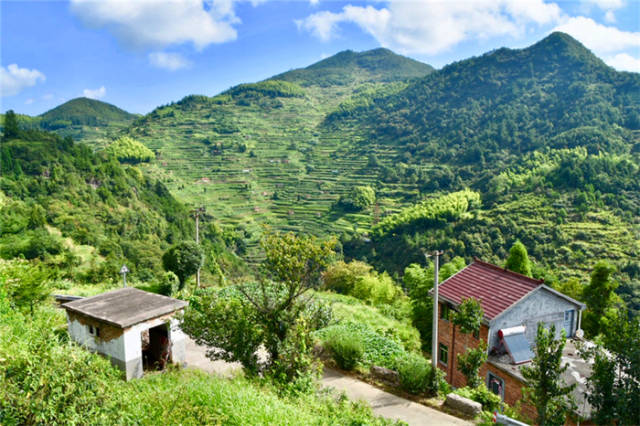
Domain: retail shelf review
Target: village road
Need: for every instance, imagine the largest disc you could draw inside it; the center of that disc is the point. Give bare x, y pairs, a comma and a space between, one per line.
382, 403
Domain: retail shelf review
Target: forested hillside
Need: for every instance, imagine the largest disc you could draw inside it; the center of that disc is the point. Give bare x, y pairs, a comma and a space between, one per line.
547, 137
83, 213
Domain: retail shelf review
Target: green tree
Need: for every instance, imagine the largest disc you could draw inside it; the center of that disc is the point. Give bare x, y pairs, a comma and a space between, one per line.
468, 316
275, 315
518, 260
545, 388
183, 259
601, 300
11, 127
26, 284
470, 362
614, 384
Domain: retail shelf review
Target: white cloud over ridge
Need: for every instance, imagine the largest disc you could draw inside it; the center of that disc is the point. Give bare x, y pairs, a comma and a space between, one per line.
151, 23
98, 93
14, 79
600, 38
168, 61
434, 26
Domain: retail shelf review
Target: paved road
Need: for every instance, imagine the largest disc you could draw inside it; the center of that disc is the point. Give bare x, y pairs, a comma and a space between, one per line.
383, 403
388, 405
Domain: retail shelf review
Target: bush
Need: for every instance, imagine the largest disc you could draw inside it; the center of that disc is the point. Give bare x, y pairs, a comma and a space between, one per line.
169, 284
415, 373
341, 277
489, 400
347, 349
377, 289
378, 349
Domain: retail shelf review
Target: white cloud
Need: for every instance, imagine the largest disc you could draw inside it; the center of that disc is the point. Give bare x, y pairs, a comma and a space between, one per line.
606, 4
28, 101
168, 61
624, 62
94, 93
610, 17
152, 23
433, 26
600, 38
47, 96
13, 79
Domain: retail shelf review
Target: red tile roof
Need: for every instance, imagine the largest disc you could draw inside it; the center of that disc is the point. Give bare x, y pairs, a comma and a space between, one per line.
495, 287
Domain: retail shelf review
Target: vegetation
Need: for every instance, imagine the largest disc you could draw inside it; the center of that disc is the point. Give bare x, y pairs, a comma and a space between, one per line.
128, 150
546, 389
614, 385
183, 259
271, 314
602, 302
416, 374
518, 260
346, 348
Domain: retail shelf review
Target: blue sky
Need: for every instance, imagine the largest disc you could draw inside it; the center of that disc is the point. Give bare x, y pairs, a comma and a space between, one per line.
139, 54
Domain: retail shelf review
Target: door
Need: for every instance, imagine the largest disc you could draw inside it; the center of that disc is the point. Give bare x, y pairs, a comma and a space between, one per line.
568, 322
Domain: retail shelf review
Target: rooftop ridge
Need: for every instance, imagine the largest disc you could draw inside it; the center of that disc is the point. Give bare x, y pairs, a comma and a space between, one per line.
507, 271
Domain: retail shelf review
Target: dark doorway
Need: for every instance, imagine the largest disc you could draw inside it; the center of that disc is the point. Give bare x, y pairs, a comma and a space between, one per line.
155, 348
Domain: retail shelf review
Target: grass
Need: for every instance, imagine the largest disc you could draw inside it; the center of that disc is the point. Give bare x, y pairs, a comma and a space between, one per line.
45, 378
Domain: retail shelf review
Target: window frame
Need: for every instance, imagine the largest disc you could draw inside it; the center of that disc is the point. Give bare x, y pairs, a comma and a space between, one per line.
490, 378
445, 312
442, 347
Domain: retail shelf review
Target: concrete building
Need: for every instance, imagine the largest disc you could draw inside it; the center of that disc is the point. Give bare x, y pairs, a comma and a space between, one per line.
135, 329
513, 305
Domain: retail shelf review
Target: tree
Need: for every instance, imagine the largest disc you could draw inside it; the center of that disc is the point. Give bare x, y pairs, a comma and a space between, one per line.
545, 388
614, 384
272, 314
468, 316
518, 260
26, 284
11, 127
600, 297
183, 259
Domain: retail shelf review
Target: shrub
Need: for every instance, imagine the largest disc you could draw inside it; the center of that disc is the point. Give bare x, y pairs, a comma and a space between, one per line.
169, 284
378, 349
415, 373
347, 349
341, 277
489, 400
377, 289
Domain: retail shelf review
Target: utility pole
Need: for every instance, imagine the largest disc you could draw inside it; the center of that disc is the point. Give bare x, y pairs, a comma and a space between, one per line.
196, 214
434, 329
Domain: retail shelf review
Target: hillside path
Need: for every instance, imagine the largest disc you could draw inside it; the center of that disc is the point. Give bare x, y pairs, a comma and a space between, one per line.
387, 405
382, 403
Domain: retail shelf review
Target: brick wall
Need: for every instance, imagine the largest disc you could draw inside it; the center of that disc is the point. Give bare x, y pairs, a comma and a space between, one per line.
457, 343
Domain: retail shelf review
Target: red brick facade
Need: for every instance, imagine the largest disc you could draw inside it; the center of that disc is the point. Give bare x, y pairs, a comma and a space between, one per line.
457, 343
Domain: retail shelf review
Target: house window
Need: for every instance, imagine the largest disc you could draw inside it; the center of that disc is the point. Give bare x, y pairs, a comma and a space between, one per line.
94, 331
445, 312
443, 354
495, 385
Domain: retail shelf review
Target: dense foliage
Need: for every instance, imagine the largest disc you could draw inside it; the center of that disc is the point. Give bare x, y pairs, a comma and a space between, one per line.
545, 389
128, 150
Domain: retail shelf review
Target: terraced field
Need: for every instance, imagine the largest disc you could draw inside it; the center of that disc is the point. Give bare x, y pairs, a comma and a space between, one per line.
267, 162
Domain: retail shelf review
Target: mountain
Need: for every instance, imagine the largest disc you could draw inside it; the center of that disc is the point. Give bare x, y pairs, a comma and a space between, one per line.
86, 119
347, 67
84, 214
553, 94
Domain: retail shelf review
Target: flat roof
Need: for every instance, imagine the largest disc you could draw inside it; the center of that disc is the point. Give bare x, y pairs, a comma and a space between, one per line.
125, 307
577, 373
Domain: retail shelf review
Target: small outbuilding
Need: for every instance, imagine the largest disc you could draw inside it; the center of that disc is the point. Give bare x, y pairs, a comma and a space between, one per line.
135, 329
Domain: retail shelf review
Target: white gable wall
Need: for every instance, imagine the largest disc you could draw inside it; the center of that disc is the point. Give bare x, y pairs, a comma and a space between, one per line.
540, 305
